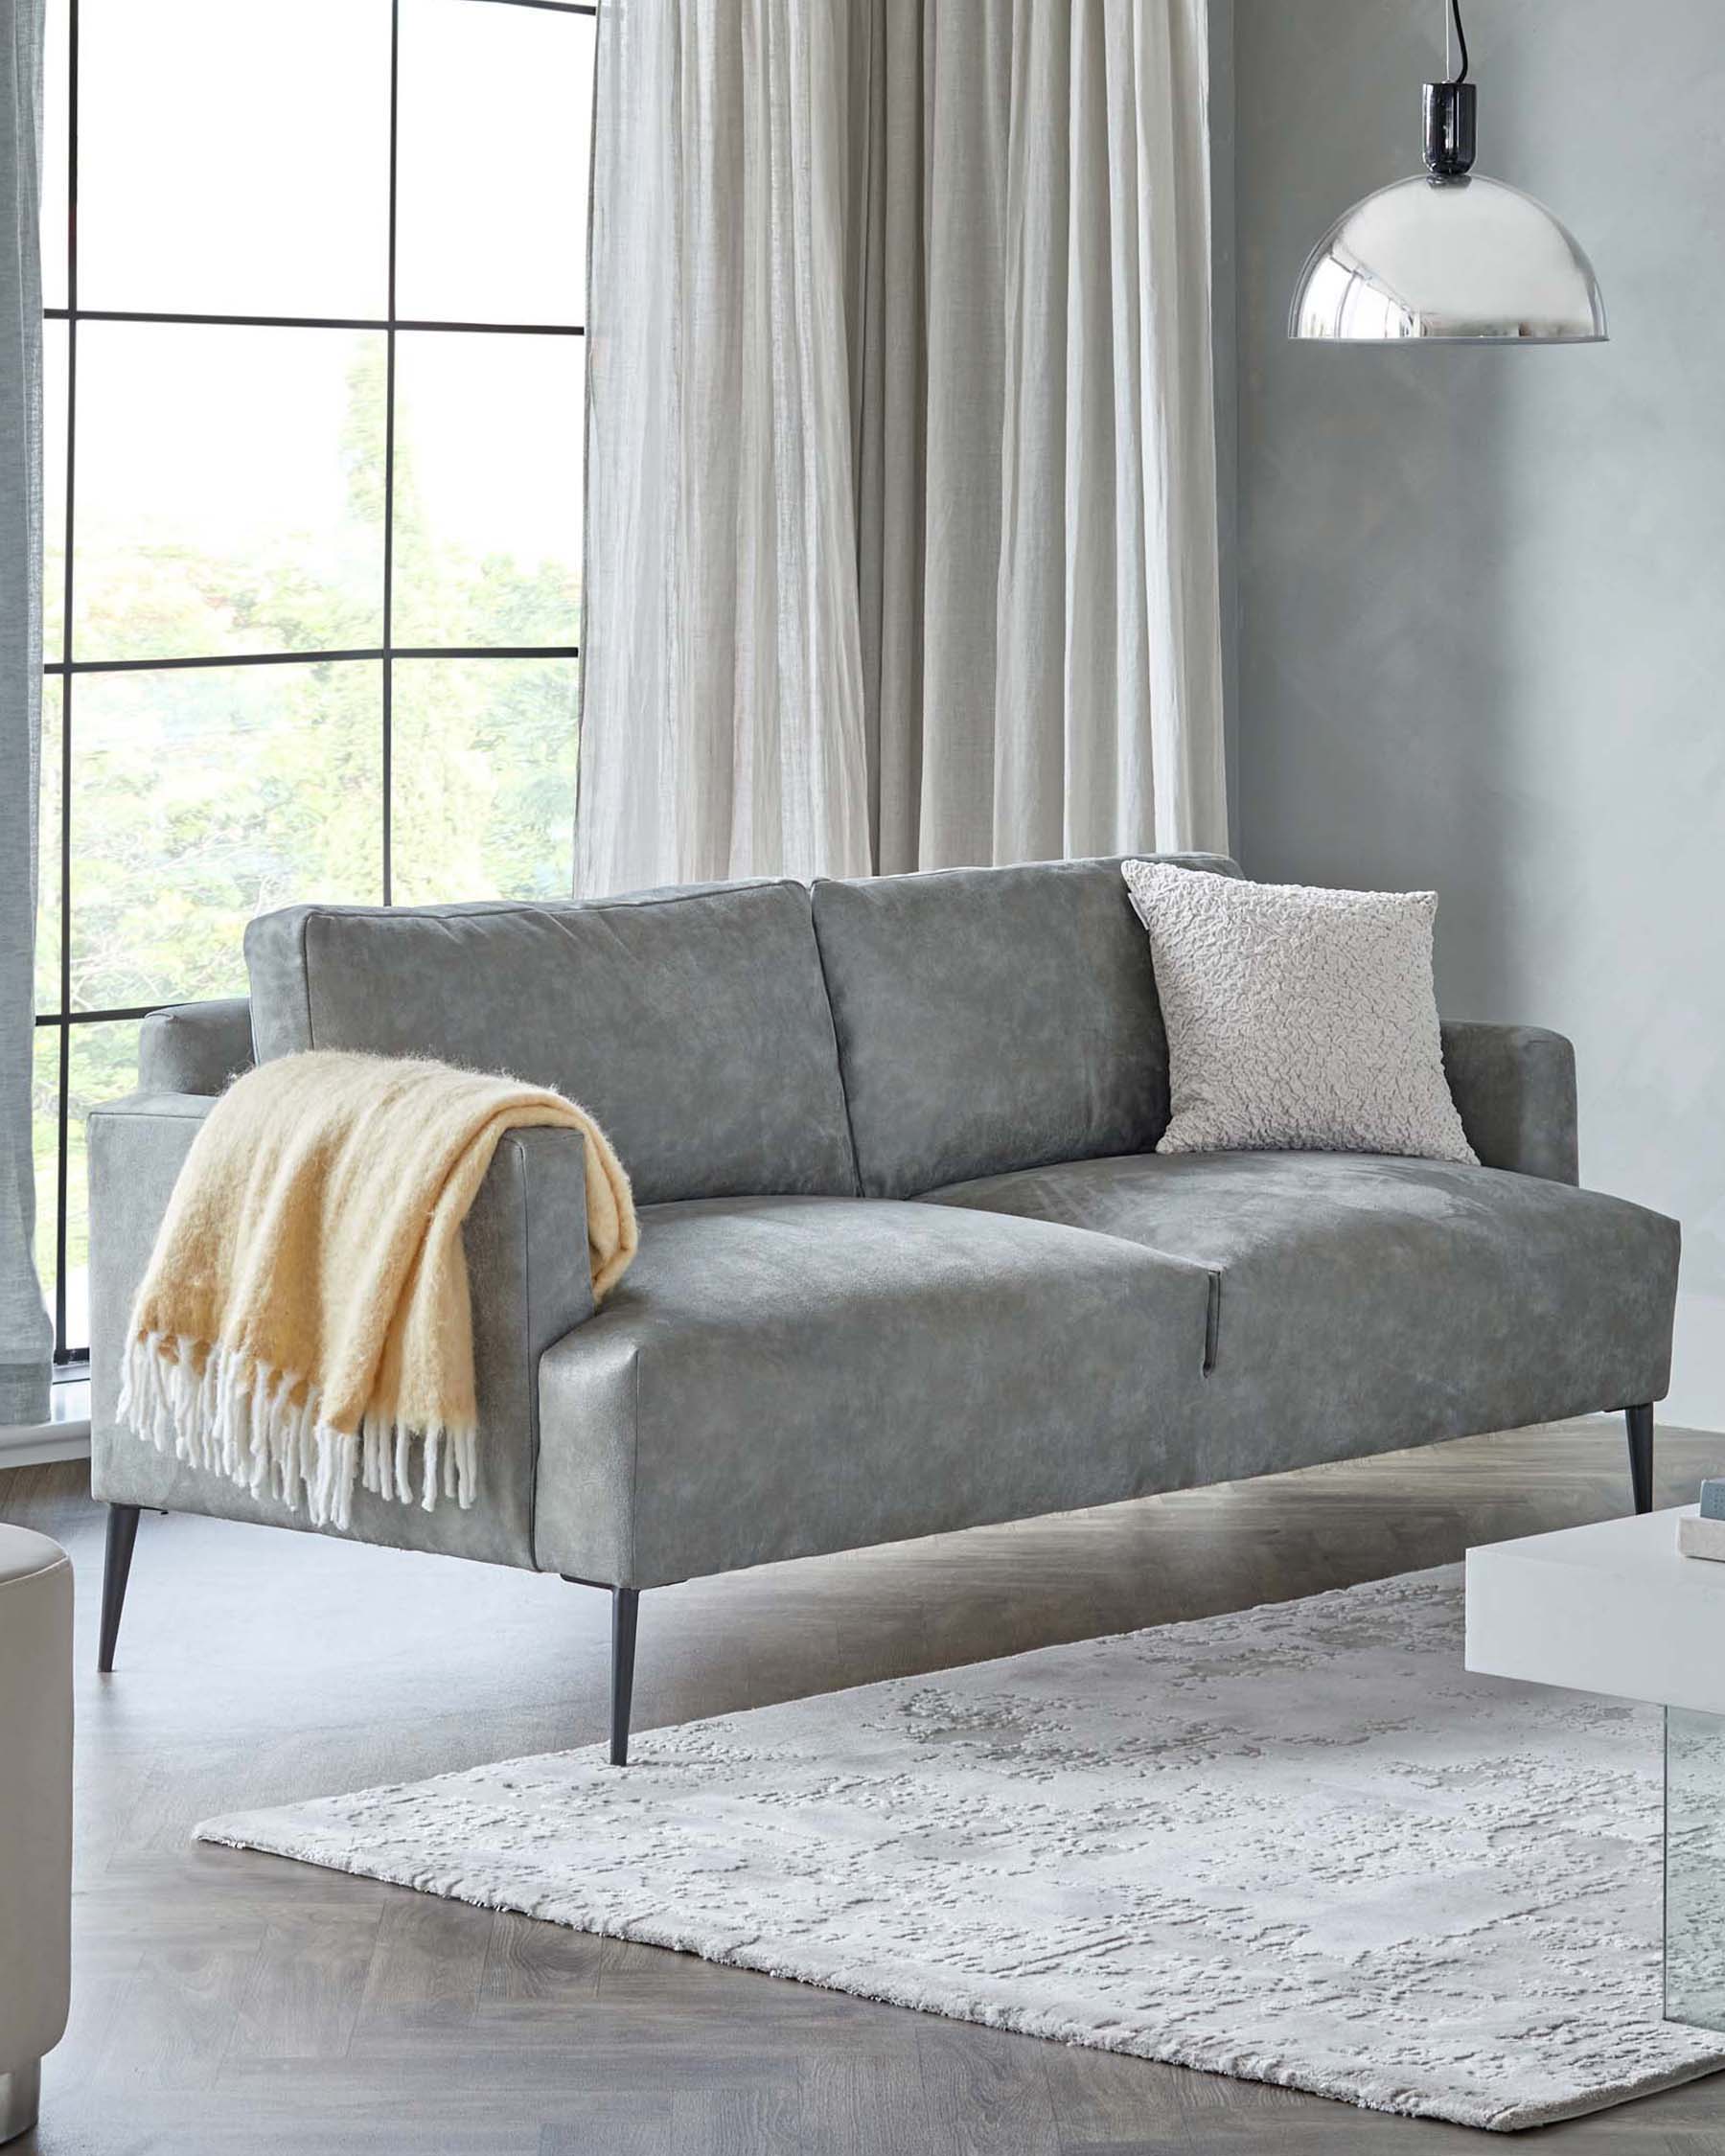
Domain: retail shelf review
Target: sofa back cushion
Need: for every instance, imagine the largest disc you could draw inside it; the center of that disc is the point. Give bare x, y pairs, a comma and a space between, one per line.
992, 1019
693, 1024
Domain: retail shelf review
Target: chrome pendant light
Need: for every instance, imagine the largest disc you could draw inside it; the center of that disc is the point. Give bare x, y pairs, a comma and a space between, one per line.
1449, 254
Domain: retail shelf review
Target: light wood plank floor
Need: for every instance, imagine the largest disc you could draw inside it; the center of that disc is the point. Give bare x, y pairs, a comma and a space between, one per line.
227, 2002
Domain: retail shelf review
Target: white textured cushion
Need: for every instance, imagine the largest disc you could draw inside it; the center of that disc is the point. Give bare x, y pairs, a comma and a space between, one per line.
1296, 1018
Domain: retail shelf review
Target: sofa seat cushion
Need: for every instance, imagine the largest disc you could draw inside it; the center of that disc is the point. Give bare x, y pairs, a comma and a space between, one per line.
1368, 1302
776, 1377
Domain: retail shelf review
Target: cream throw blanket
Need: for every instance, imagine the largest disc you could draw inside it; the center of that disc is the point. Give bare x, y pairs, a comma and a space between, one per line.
305, 1320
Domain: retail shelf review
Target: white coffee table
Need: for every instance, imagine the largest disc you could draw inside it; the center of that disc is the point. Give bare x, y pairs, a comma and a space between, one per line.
1614, 1609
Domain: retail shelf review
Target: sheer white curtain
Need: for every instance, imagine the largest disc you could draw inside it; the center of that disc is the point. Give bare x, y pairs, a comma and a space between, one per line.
25, 1339
901, 496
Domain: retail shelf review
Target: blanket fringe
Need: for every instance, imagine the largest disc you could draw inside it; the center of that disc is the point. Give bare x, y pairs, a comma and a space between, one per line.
264, 1428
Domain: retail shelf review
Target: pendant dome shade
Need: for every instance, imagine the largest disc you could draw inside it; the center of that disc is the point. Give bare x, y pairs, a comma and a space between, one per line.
1464, 258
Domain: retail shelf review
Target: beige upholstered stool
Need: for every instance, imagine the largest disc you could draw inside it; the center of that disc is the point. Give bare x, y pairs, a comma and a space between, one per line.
36, 1814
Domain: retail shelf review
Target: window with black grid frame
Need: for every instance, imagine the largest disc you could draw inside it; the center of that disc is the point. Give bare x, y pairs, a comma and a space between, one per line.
315, 274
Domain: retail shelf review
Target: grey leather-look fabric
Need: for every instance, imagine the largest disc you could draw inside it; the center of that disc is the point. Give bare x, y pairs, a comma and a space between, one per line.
776, 1377
527, 1264
195, 1047
991, 1018
1514, 1089
1368, 1302
1063, 1319
693, 1026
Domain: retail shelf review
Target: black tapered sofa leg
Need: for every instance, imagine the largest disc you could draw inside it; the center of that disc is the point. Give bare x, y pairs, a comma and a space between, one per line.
1641, 1456
624, 1607
116, 1569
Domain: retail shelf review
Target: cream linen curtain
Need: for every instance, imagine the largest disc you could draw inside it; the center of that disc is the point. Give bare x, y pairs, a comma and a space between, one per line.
901, 490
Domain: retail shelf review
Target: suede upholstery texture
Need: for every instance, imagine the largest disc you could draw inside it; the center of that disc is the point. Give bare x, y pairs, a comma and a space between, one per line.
195, 1047
693, 1026
525, 1241
1027, 1310
1362, 1293
776, 1377
994, 1017
1515, 1086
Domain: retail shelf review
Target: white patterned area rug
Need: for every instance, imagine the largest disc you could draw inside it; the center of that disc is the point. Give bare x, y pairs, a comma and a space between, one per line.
1296, 1844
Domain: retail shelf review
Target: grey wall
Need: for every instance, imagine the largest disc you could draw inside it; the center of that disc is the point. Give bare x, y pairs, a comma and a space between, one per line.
1481, 592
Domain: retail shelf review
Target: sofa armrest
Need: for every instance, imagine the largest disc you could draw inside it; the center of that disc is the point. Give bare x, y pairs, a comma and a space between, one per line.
195, 1047
528, 1269
1514, 1089
527, 1266
137, 1147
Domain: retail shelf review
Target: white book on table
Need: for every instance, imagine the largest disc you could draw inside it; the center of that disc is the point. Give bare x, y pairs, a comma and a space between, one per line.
1700, 1538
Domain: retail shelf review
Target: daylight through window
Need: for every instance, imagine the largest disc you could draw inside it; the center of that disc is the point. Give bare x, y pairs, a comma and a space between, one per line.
314, 389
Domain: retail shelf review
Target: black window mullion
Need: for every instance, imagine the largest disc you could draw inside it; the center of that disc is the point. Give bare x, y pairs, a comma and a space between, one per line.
103, 1017
484, 651
182, 320
206, 659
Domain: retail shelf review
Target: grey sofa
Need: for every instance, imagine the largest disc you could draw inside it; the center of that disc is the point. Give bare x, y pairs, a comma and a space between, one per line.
909, 1262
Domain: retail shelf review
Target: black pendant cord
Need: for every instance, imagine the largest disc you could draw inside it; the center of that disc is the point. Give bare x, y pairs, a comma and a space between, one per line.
1449, 111
1454, 9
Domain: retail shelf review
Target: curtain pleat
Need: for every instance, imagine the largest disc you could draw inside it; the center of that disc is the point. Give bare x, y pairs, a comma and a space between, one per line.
26, 1339
901, 450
